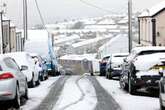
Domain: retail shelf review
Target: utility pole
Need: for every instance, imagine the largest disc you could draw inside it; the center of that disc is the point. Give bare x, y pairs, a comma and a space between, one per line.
130, 25
25, 24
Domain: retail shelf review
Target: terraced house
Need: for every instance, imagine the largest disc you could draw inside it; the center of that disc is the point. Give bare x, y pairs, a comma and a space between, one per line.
152, 25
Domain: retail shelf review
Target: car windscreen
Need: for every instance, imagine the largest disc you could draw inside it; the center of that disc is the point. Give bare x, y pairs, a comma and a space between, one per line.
151, 52
120, 56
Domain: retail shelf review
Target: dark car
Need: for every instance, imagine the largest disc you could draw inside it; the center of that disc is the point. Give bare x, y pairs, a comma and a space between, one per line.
141, 69
114, 65
103, 64
162, 89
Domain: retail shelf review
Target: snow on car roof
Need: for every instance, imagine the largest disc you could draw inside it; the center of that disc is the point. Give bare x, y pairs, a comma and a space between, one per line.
19, 57
154, 10
139, 49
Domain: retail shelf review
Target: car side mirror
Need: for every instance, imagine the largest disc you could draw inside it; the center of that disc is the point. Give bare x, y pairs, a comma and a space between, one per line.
124, 60
23, 67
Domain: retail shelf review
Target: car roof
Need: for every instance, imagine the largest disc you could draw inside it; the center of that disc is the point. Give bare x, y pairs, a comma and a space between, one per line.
147, 48
2, 56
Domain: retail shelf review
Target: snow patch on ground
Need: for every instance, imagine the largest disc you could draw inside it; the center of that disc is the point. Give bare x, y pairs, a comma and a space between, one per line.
127, 101
71, 94
37, 94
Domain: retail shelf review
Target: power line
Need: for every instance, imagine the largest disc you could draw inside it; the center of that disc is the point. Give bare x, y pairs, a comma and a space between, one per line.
41, 17
95, 6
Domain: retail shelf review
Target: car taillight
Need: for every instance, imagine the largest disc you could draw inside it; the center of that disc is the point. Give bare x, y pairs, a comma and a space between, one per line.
7, 75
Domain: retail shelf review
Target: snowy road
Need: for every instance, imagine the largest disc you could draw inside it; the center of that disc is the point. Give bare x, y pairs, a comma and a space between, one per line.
85, 93
79, 93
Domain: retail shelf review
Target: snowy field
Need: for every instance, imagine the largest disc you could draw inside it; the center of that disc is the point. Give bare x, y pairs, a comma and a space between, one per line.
127, 101
37, 94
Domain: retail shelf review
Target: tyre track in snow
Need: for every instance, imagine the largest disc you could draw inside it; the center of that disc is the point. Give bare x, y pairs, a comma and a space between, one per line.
82, 94
54, 94
105, 100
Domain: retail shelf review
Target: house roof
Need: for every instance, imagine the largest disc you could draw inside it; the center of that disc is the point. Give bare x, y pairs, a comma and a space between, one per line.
153, 10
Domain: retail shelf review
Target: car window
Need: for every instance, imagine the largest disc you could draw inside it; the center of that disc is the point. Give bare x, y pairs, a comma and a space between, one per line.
151, 52
11, 63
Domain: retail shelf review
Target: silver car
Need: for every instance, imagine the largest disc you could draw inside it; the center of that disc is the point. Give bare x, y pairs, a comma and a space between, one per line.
13, 83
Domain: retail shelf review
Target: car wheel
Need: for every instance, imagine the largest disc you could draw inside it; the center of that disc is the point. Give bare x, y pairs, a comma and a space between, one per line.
32, 83
131, 89
123, 85
42, 77
16, 101
38, 81
26, 92
110, 75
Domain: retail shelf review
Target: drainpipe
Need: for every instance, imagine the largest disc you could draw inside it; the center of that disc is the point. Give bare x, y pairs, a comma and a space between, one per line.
139, 30
153, 32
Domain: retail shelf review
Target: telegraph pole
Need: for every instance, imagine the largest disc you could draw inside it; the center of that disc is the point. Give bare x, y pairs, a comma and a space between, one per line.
25, 24
130, 25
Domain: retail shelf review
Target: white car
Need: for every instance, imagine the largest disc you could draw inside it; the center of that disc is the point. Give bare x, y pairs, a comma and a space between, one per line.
23, 58
114, 65
141, 69
13, 83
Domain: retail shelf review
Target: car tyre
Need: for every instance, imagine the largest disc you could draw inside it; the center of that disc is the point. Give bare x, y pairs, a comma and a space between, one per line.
32, 83
16, 101
38, 82
131, 89
26, 92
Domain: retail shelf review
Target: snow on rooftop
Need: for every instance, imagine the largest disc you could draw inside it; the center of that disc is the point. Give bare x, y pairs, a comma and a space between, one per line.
106, 21
90, 41
78, 57
67, 39
5, 18
101, 26
152, 11
78, 30
12, 24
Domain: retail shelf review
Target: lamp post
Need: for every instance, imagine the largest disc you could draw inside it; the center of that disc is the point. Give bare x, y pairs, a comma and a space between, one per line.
25, 25
130, 25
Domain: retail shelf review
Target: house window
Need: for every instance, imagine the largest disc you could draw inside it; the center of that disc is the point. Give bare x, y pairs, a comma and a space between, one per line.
158, 34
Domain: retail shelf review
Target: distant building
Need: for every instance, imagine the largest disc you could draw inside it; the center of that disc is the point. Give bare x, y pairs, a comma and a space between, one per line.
152, 26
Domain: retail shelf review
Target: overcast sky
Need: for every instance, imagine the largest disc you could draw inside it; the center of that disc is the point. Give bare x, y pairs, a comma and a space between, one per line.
58, 10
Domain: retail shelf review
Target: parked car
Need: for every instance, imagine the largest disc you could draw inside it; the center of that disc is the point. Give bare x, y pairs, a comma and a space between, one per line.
114, 65
162, 88
23, 58
103, 64
41, 66
141, 68
13, 83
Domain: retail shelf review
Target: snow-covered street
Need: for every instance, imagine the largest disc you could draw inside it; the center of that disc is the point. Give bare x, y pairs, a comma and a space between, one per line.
127, 101
84, 92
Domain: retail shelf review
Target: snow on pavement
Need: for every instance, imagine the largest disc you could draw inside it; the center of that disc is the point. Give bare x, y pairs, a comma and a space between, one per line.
37, 94
71, 97
127, 101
